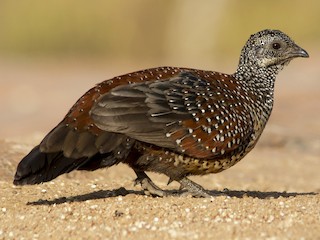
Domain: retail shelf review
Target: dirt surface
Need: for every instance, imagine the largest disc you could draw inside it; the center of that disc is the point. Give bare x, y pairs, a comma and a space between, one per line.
272, 194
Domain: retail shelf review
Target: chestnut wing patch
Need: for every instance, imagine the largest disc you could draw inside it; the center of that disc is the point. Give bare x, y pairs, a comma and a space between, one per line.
167, 113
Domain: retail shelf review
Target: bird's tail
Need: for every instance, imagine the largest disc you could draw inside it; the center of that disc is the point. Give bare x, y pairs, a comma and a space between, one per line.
38, 167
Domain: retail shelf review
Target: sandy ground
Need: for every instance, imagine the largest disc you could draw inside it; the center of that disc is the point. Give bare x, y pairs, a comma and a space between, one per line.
272, 194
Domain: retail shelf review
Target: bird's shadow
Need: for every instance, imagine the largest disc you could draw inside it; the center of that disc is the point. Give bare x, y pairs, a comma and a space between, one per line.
101, 194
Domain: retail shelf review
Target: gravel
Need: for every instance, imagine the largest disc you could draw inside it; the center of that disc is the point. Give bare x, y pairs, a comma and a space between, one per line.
268, 195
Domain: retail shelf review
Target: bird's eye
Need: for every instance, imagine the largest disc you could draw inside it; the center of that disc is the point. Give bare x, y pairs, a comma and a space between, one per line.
276, 46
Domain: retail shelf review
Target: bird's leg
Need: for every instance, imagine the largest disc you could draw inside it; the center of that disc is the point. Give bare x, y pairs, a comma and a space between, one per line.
148, 186
193, 188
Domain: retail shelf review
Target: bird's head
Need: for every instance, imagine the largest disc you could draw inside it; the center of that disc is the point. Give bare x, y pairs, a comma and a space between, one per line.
270, 48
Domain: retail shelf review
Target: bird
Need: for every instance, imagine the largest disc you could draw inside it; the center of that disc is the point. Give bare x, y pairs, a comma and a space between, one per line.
174, 121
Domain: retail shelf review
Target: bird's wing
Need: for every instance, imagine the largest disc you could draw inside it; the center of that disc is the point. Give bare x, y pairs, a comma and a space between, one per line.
78, 144
77, 136
185, 113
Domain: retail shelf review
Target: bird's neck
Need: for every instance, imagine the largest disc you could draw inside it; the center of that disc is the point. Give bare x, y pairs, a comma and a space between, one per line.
260, 83
260, 78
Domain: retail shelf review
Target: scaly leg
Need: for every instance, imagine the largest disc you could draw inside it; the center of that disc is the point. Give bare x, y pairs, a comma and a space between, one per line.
193, 188
148, 186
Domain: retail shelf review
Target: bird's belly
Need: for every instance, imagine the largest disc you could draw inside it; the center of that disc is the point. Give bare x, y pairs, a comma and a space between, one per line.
177, 165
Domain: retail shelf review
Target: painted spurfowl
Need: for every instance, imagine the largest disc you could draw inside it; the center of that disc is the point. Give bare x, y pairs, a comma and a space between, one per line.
175, 121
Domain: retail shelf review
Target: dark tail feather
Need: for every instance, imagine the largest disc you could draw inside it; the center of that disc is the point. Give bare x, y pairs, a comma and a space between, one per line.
38, 167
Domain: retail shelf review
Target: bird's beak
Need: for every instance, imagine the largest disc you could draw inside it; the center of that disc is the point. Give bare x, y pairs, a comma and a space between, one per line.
297, 51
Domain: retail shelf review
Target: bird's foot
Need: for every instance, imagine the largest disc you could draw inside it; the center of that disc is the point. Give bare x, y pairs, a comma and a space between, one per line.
193, 189
148, 186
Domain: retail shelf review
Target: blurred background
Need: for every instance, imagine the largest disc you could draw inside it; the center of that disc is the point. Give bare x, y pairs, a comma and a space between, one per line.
52, 52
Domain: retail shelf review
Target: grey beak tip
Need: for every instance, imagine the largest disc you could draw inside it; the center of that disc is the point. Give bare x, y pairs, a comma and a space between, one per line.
303, 53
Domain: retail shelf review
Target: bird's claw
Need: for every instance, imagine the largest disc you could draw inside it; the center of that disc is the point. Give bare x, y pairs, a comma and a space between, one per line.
193, 189
148, 186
